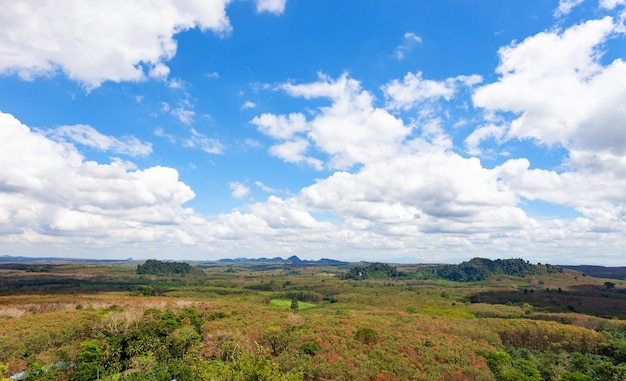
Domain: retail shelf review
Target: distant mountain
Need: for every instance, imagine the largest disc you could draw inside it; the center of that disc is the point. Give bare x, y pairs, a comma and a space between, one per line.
293, 260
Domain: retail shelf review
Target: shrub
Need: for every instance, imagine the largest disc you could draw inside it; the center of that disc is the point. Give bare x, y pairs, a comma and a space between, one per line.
367, 335
309, 348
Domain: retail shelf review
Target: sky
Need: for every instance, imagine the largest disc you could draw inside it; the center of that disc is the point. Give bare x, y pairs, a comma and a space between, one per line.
396, 131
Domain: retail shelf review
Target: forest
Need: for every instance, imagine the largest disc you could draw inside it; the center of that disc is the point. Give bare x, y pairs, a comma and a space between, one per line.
290, 320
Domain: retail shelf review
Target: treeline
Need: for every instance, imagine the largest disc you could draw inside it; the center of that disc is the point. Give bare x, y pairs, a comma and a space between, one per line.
478, 269
155, 267
373, 271
473, 270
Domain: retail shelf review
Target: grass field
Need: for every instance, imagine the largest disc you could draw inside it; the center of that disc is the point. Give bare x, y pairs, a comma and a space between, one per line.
285, 304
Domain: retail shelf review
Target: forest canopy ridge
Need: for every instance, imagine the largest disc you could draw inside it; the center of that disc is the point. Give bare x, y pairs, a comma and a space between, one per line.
476, 269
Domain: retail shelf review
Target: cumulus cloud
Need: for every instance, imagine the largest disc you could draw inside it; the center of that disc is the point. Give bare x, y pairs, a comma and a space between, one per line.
271, 6
563, 95
413, 89
428, 190
248, 104
281, 126
294, 151
238, 190
49, 193
472, 141
351, 131
397, 186
92, 42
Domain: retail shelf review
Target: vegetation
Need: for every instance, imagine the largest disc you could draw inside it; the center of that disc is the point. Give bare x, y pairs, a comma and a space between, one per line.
280, 321
373, 271
155, 267
478, 269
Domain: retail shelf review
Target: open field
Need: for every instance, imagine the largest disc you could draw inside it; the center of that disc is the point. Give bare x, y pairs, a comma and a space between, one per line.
307, 322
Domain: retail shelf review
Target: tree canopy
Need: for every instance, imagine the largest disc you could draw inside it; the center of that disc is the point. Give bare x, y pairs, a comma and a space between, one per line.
156, 267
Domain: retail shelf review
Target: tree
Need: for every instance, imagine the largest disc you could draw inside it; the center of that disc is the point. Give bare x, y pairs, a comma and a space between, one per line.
294, 304
609, 285
182, 340
155, 267
88, 357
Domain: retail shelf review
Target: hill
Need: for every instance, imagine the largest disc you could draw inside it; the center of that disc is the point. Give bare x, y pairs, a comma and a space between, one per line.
601, 271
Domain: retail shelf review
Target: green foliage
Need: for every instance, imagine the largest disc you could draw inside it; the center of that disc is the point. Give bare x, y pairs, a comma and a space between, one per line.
478, 269
275, 339
3, 369
265, 286
309, 348
247, 366
367, 335
373, 271
38, 268
156, 267
303, 296
294, 304
411, 310
505, 368
88, 352
87, 371
286, 304
575, 376
147, 291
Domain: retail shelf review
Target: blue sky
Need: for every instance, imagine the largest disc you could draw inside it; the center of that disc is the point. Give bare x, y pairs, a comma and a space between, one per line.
402, 131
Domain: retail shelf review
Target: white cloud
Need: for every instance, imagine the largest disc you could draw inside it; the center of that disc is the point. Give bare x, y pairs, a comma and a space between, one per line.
566, 6
162, 134
247, 105
562, 95
293, 151
473, 140
281, 126
184, 112
398, 187
271, 6
50, 194
208, 145
351, 130
265, 188
90, 137
176, 83
611, 4
431, 190
414, 89
92, 42
238, 190
409, 41
561, 92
